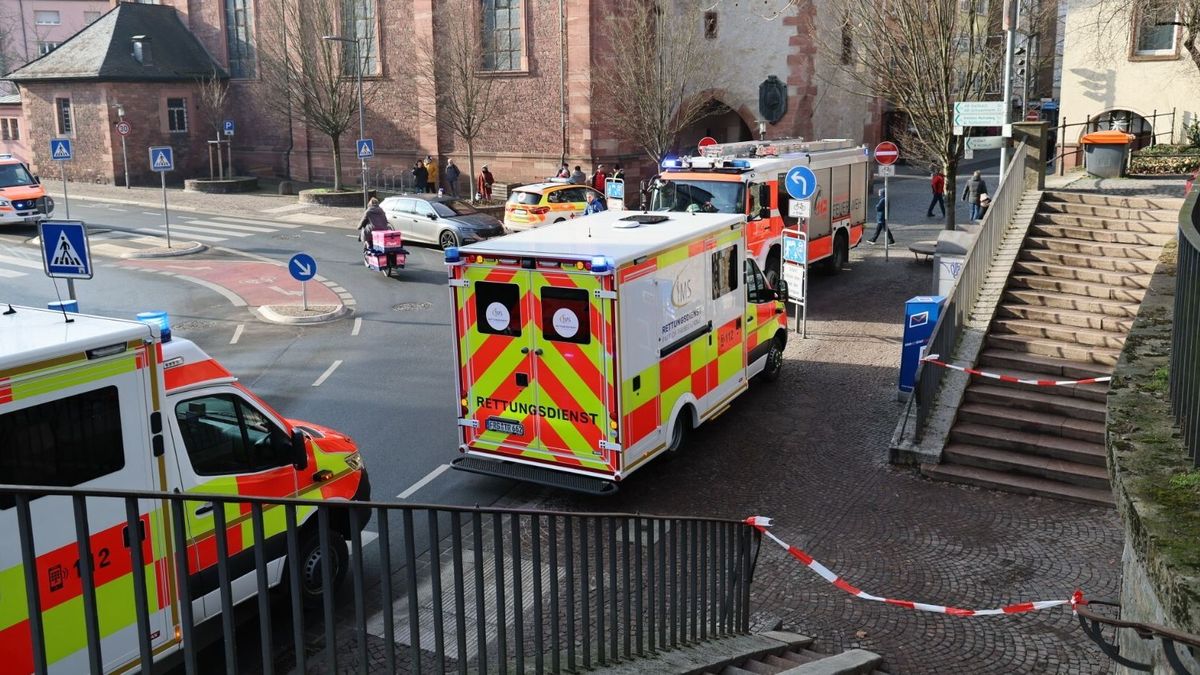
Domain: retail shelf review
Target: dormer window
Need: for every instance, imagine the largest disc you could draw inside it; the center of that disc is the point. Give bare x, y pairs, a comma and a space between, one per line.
141, 50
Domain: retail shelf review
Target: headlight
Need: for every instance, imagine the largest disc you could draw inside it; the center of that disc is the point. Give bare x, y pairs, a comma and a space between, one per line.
5, 202
354, 461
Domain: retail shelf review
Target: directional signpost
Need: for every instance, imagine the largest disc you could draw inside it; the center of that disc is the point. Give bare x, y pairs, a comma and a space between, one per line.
302, 268
61, 152
65, 253
979, 114
162, 160
886, 154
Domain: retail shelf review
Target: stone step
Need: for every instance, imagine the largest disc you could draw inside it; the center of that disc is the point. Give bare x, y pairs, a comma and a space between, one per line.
1055, 348
1028, 442
1096, 392
1108, 224
1120, 212
1032, 421
1081, 274
1098, 235
1095, 199
1094, 262
1130, 251
1065, 317
996, 459
1059, 333
1044, 367
1067, 301
1051, 399
1085, 289
1010, 482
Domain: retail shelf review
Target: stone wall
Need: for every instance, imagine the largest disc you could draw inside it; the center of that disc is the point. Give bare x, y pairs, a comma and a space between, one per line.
1161, 562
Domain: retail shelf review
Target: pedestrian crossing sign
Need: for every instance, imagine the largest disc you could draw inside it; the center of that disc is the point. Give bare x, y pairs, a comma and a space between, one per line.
162, 158
366, 148
65, 253
60, 149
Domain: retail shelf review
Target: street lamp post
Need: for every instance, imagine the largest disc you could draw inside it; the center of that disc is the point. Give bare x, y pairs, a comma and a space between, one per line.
362, 127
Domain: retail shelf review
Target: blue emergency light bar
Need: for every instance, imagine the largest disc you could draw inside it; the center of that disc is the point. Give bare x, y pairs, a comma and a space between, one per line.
159, 319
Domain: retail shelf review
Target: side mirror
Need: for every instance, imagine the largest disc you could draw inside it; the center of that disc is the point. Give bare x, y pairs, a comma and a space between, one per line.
781, 291
298, 451
433, 216
764, 212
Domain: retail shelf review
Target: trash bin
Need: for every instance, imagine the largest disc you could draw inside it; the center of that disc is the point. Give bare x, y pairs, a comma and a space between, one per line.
1105, 152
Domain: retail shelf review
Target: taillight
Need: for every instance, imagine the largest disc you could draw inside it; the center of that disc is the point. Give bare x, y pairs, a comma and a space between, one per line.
539, 210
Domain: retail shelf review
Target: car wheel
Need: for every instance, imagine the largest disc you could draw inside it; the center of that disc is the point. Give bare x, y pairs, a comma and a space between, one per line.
447, 239
841, 253
560, 220
312, 591
774, 366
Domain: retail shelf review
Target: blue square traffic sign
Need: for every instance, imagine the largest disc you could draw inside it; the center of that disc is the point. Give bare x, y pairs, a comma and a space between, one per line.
366, 148
162, 158
229, 127
61, 150
65, 253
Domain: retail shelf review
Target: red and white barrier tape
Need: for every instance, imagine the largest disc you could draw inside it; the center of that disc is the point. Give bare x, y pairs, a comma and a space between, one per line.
761, 523
932, 358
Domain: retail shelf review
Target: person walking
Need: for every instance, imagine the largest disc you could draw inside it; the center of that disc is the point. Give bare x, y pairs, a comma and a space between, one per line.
451, 177
975, 192
599, 178
431, 174
618, 173
577, 176
373, 219
594, 204
483, 184
881, 225
563, 171
937, 183
420, 177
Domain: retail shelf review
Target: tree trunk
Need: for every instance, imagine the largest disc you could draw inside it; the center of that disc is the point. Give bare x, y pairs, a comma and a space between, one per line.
337, 162
951, 171
473, 181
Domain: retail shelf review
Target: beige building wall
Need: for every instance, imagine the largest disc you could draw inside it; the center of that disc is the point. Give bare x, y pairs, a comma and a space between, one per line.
1101, 72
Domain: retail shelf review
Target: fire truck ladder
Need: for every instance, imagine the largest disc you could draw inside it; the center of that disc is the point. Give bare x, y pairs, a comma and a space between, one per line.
775, 148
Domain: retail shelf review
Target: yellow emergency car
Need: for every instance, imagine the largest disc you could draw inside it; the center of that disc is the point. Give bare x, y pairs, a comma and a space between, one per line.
542, 203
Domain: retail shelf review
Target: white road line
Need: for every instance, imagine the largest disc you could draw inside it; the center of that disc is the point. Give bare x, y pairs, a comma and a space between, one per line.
9, 274
208, 230
357, 326
313, 231
423, 482
237, 333
189, 235
21, 262
234, 299
328, 371
113, 208
151, 213
231, 226
353, 236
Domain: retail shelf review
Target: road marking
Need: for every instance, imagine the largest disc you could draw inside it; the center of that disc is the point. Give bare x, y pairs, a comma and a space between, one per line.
189, 236
231, 226
21, 262
313, 231
234, 299
280, 290
113, 208
237, 333
150, 213
352, 236
357, 326
208, 230
328, 371
10, 274
412, 489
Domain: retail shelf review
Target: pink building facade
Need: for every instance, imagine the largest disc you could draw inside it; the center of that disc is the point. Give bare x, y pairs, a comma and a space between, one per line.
42, 25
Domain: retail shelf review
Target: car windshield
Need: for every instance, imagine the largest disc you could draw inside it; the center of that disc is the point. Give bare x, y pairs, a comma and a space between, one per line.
523, 197
454, 207
701, 195
12, 175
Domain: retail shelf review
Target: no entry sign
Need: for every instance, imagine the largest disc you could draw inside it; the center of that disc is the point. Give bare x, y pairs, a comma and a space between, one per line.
887, 153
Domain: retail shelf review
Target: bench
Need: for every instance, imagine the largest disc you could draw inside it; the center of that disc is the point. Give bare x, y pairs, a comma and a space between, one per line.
923, 248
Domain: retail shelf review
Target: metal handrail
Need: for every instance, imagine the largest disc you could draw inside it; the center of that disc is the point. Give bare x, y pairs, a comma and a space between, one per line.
1092, 624
1090, 125
962, 298
596, 588
1184, 379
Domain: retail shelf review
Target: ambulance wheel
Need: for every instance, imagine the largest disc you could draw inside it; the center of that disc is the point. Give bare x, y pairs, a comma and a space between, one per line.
841, 252
774, 366
679, 432
311, 582
447, 239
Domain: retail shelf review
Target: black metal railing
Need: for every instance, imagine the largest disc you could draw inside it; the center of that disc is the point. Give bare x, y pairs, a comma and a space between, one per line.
1093, 624
1090, 124
1185, 330
961, 301
432, 588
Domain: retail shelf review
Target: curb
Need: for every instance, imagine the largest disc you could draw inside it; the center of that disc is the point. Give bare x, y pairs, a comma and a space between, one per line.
268, 313
189, 248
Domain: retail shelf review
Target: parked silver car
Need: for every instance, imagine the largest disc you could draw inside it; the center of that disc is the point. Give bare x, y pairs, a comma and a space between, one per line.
445, 221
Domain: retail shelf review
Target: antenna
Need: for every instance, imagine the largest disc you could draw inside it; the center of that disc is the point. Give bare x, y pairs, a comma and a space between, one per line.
10, 310
61, 306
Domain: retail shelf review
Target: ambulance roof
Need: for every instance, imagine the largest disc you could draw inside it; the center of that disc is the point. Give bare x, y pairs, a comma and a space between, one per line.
607, 234
29, 334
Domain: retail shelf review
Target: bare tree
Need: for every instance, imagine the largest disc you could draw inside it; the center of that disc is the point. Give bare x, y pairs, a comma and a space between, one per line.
308, 77
922, 56
212, 97
1113, 23
648, 82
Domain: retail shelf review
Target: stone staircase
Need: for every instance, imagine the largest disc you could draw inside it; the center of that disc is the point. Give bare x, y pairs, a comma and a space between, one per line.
1070, 300
796, 657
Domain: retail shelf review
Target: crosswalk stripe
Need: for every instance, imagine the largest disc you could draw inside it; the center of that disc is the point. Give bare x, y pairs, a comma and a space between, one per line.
231, 226
8, 274
262, 223
205, 230
21, 262
112, 250
189, 235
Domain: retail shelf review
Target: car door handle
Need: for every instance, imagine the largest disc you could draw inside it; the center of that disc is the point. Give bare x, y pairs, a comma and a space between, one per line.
537, 352
205, 509
524, 350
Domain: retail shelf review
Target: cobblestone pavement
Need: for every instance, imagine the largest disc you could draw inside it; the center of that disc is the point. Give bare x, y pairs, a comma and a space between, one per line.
810, 451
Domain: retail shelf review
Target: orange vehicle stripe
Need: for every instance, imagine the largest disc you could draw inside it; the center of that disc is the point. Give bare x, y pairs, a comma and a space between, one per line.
675, 367
631, 273
15, 644
58, 578
6, 393
192, 373
641, 422
554, 387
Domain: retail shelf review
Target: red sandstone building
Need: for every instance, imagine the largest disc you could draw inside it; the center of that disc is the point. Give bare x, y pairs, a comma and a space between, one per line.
144, 60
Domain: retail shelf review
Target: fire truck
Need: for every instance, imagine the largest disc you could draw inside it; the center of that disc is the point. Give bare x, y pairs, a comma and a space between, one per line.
748, 178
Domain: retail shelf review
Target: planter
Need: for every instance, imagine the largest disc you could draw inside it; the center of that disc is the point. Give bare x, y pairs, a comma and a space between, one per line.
326, 197
496, 212
221, 186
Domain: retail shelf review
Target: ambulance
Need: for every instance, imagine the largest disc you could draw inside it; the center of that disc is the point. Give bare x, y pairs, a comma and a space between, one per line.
100, 403
585, 349
749, 178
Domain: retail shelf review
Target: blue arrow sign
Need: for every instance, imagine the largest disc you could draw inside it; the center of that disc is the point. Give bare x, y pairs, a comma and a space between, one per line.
65, 253
801, 182
162, 158
228, 127
302, 266
366, 148
60, 149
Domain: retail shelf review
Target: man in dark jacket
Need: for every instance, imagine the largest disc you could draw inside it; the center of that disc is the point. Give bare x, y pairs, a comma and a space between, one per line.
452, 174
373, 219
594, 204
881, 225
420, 176
974, 193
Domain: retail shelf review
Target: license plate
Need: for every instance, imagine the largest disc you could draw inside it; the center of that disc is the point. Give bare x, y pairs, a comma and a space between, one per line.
505, 426
520, 212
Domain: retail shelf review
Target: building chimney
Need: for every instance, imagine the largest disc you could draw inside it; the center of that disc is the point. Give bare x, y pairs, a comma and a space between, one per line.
141, 50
